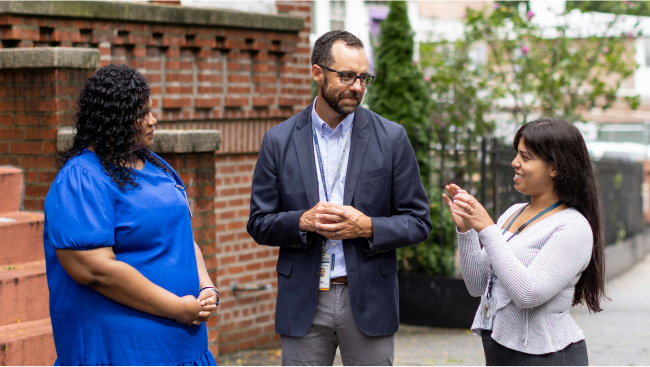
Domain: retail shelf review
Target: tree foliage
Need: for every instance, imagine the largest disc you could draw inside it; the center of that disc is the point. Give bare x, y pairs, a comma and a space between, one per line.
640, 8
459, 85
527, 70
400, 93
553, 71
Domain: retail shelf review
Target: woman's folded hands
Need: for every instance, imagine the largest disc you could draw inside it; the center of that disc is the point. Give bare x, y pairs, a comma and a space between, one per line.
194, 311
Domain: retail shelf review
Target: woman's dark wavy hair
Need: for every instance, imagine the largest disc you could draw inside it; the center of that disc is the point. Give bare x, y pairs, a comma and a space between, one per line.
109, 104
560, 143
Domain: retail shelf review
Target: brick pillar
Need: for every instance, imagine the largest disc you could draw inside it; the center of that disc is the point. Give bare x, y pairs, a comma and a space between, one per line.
37, 92
246, 272
301, 63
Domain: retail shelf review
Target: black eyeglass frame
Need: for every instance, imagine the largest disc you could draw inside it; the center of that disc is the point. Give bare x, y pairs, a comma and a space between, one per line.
355, 76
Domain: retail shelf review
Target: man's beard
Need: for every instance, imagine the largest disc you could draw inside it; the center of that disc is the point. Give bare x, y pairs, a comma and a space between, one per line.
336, 101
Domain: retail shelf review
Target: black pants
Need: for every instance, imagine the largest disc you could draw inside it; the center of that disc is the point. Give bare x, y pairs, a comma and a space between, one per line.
497, 355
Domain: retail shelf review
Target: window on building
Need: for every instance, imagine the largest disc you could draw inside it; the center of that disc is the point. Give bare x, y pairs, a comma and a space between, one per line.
647, 52
337, 15
478, 53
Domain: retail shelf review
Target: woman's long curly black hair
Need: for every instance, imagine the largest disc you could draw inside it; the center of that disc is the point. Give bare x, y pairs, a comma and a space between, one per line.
560, 143
109, 105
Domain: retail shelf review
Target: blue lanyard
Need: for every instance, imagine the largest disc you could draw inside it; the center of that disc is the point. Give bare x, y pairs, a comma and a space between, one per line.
530, 221
187, 199
488, 291
320, 162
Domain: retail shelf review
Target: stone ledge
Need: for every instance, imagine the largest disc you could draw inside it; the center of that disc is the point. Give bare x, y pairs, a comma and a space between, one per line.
152, 14
165, 141
49, 57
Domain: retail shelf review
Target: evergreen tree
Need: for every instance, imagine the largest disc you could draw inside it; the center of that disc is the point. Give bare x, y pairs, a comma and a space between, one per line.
400, 92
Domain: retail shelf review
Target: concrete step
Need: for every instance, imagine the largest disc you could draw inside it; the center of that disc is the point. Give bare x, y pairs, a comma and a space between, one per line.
27, 344
11, 188
23, 292
21, 237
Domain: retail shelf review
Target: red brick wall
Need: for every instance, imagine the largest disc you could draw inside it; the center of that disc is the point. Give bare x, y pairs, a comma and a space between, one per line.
209, 73
246, 318
238, 81
198, 174
33, 104
302, 64
196, 73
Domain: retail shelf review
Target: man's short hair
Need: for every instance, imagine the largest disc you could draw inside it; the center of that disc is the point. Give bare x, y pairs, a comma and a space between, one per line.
322, 53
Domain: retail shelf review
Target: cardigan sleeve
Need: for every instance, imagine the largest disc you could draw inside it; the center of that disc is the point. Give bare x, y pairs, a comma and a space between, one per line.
471, 262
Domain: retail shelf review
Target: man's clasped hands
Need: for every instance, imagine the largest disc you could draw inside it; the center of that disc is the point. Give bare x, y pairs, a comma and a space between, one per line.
338, 222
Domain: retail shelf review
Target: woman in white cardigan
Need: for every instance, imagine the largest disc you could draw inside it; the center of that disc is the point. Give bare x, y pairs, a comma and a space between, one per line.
540, 258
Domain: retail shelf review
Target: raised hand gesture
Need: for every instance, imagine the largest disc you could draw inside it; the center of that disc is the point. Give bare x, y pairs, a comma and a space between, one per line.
454, 190
472, 212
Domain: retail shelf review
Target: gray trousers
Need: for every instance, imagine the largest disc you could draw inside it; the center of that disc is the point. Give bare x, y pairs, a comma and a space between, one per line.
335, 327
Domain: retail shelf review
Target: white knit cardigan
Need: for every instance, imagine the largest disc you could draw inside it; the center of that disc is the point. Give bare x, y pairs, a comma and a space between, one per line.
535, 274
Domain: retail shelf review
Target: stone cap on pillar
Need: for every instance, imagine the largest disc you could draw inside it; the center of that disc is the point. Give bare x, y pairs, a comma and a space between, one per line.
49, 57
165, 141
150, 13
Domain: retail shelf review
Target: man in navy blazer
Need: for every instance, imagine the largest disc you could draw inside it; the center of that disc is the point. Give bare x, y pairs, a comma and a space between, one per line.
338, 189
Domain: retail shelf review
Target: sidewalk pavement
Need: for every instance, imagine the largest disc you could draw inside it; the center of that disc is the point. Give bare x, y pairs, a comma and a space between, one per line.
620, 335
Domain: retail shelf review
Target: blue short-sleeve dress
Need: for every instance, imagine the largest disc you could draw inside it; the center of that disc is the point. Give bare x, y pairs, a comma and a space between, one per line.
148, 228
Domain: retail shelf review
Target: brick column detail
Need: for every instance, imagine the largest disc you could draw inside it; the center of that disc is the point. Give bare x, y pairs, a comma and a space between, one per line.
37, 92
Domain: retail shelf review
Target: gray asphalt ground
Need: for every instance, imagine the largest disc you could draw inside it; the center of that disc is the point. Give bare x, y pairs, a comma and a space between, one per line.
618, 336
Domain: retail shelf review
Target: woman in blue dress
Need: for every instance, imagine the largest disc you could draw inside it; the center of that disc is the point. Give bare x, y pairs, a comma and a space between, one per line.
128, 285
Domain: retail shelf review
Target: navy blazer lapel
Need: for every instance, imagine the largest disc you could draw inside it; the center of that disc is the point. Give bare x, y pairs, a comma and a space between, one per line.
358, 145
303, 139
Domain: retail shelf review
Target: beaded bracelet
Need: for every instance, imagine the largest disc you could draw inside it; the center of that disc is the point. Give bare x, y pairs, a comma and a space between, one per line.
215, 290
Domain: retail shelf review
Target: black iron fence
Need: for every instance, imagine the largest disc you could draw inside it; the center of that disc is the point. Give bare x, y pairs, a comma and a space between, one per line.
621, 185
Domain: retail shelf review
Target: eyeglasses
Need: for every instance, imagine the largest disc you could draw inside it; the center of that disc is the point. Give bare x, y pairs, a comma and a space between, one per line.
351, 78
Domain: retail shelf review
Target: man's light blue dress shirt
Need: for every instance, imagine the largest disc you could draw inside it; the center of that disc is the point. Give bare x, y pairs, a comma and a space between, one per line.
331, 145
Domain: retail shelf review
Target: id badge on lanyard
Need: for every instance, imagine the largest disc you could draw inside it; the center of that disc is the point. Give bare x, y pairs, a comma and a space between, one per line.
327, 260
488, 305
325, 268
